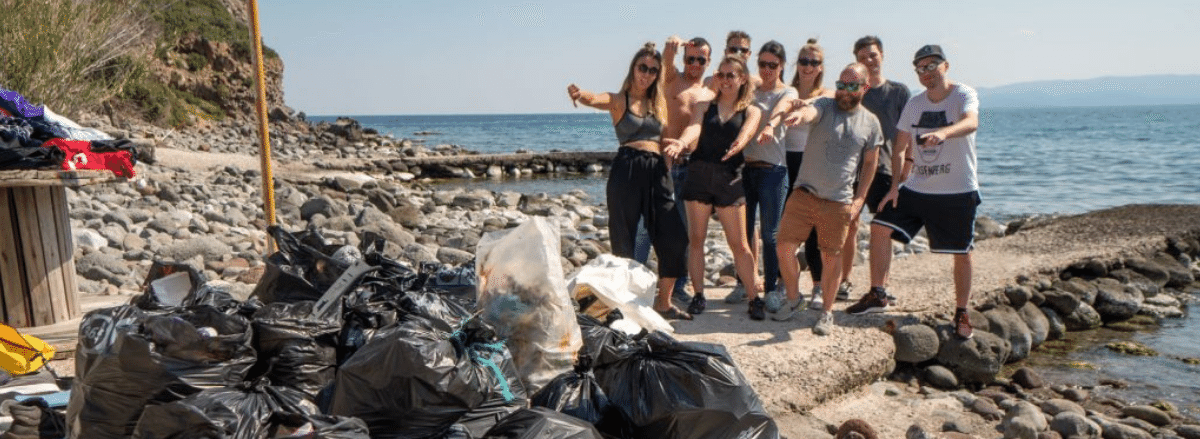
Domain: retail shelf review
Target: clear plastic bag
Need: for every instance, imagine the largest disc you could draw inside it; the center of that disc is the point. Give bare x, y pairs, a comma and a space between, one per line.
611, 282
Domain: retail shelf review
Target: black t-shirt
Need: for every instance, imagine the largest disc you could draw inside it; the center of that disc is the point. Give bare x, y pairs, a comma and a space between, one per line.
887, 102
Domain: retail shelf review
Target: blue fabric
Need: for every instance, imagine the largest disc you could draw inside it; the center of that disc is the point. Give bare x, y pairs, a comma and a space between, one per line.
641, 243
678, 176
766, 190
16, 105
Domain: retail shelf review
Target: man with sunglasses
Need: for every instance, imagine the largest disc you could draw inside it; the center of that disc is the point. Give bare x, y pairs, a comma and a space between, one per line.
843, 145
936, 185
683, 90
737, 44
886, 100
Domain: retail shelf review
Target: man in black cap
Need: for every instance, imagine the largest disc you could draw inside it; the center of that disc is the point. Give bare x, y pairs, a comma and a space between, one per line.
935, 185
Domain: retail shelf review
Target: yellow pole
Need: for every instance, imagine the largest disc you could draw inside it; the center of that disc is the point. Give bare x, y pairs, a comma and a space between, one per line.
264, 132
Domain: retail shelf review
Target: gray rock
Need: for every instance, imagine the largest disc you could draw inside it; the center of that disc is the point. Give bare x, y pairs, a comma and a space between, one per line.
1188, 431
1060, 301
1083, 318
138, 215
391, 232
89, 238
1023, 420
1084, 290
1028, 378
1091, 268
133, 242
472, 201
407, 214
915, 343
987, 228
169, 222
418, 253
1137, 280
977, 360
118, 217
1018, 295
1049, 434
1075, 425
453, 256
986, 409
1116, 302
107, 262
1056, 328
940, 377
1006, 323
508, 199
371, 215
1132, 422
322, 205
1151, 270
1036, 321
1148, 414
1115, 430
1178, 275
1075, 394
208, 247
1055, 406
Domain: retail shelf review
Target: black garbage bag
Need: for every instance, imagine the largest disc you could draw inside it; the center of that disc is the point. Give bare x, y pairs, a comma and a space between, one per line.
285, 425
601, 343
158, 290
415, 380
684, 390
127, 358
542, 423
459, 281
295, 348
225, 413
576, 393
303, 268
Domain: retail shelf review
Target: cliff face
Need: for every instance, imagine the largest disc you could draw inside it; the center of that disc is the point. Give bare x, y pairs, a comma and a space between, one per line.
214, 71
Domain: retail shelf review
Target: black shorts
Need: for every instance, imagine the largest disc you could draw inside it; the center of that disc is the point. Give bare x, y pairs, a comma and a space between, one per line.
879, 189
949, 219
714, 184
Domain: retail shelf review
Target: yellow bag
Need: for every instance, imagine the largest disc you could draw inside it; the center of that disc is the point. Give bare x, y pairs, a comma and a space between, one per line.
22, 354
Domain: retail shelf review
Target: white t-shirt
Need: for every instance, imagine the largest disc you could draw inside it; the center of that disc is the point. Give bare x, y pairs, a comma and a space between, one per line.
948, 168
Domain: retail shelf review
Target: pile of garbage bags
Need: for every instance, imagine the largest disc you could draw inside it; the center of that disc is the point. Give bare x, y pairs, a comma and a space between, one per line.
342, 342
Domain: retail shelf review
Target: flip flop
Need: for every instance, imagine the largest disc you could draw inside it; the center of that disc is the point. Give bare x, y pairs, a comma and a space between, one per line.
674, 313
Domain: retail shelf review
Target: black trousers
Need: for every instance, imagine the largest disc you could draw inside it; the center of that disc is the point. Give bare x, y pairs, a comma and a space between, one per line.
639, 187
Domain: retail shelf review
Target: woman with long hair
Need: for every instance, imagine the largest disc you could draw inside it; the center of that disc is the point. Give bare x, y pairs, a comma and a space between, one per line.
723, 125
810, 72
638, 185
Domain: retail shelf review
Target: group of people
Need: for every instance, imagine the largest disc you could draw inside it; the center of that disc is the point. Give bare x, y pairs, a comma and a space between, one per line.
736, 144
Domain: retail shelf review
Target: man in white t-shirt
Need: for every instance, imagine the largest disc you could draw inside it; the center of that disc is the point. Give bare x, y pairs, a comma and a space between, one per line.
935, 184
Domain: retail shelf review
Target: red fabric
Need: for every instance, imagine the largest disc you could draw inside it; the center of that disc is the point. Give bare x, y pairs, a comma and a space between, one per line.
80, 156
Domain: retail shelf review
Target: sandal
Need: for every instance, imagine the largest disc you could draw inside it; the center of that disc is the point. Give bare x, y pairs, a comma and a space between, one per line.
674, 313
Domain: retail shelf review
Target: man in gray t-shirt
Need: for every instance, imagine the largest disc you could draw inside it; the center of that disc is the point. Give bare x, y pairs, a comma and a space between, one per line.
843, 141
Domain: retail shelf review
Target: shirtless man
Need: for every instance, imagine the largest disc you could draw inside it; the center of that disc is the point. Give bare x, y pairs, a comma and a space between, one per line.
737, 43
683, 90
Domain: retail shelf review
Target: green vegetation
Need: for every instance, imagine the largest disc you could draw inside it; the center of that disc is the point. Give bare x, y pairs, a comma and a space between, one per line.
210, 20
68, 55
1132, 348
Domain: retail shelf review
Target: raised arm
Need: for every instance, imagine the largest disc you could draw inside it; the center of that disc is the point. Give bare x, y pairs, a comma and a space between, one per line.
753, 115
600, 101
670, 50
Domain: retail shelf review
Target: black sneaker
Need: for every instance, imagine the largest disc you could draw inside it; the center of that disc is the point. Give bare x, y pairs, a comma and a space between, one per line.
699, 303
758, 309
874, 301
962, 325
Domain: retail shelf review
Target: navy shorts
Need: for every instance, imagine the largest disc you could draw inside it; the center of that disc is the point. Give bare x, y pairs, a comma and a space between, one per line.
949, 219
714, 184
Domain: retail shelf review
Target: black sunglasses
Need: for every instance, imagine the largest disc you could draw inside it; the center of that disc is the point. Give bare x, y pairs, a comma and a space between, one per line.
768, 65
725, 75
696, 60
808, 62
737, 50
642, 68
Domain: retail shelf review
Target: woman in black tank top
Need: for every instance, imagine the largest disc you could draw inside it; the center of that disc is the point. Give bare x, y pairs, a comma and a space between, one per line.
723, 127
639, 188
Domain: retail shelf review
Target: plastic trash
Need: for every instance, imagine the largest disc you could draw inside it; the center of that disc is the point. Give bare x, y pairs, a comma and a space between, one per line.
284, 425
542, 423
225, 413
603, 344
168, 285
302, 269
127, 359
578, 394
415, 380
684, 390
295, 348
610, 282
523, 295
21, 354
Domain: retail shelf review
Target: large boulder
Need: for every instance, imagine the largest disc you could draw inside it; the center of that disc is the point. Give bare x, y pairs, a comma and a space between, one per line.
977, 360
1178, 275
1075, 425
916, 343
1083, 318
1018, 296
1084, 290
1058, 329
1116, 302
1061, 301
1039, 325
322, 205
1006, 323
1151, 270
1022, 420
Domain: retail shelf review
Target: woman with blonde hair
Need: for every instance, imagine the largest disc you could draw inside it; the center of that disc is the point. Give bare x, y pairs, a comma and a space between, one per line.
723, 126
638, 185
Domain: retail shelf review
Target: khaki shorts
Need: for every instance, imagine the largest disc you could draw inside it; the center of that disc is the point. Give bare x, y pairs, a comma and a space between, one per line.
804, 212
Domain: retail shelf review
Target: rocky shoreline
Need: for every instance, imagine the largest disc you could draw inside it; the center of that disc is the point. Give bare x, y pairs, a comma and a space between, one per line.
198, 201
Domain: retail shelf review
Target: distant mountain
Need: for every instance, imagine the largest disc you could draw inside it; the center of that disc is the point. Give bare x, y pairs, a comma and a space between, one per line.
1104, 91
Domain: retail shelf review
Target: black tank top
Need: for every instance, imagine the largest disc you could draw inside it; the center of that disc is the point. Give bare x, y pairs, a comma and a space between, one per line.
716, 137
632, 128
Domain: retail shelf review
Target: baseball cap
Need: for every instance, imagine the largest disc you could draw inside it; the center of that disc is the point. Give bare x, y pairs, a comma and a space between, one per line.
929, 50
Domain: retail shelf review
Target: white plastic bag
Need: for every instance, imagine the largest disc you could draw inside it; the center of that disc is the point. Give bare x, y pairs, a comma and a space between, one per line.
619, 283
523, 295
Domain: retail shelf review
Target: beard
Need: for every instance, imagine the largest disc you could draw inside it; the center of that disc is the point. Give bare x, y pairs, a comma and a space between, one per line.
847, 101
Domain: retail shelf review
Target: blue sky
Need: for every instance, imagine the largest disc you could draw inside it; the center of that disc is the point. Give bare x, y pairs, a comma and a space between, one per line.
468, 57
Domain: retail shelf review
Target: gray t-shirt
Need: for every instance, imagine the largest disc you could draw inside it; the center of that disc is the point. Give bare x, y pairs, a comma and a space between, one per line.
771, 152
887, 102
836, 145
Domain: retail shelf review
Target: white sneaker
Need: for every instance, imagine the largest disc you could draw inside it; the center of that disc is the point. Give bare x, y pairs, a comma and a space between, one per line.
789, 309
738, 295
817, 302
824, 324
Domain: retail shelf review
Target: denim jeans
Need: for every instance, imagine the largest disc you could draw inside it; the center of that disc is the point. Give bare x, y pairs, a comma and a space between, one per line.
766, 190
678, 175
